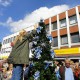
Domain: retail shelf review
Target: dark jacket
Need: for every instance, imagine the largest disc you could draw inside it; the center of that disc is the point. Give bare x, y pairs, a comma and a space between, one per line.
20, 51
62, 72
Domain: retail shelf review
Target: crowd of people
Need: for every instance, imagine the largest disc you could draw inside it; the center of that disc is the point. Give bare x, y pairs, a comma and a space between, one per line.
67, 70
6, 71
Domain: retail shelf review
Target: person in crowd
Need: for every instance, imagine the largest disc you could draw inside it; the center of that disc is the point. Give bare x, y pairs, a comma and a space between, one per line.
62, 63
5, 74
5, 65
20, 53
77, 71
57, 70
72, 65
62, 71
9, 72
66, 72
26, 72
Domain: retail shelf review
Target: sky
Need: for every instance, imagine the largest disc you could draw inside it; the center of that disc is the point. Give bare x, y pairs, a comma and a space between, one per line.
19, 14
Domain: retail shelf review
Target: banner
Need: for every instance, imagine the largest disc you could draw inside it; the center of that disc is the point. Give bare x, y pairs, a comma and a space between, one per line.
67, 51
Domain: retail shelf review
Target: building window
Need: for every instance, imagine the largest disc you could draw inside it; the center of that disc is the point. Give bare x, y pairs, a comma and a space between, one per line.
4, 42
64, 40
8, 40
75, 38
11, 39
54, 25
63, 23
55, 42
73, 20
3, 50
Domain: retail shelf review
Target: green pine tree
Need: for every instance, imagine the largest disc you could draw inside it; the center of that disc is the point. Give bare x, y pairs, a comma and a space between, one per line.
46, 72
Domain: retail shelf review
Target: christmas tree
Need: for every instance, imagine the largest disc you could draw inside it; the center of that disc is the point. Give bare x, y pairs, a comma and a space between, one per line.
42, 66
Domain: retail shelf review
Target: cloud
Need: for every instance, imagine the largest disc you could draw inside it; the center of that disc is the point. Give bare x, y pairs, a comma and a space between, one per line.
5, 2
2, 24
35, 16
7, 23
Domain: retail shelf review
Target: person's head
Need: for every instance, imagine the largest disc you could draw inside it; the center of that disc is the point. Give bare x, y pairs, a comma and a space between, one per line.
56, 62
71, 62
76, 65
22, 32
67, 62
4, 70
20, 36
62, 63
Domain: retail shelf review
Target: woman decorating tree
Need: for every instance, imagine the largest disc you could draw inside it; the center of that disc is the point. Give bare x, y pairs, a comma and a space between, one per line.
20, 53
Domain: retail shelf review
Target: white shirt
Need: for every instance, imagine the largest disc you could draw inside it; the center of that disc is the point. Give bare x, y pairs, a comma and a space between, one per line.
69, 74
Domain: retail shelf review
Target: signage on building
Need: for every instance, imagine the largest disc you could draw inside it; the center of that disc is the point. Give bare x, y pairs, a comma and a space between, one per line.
67, 51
